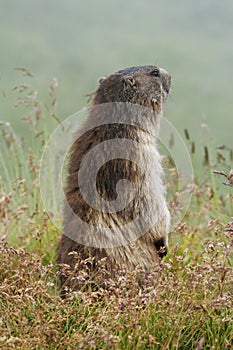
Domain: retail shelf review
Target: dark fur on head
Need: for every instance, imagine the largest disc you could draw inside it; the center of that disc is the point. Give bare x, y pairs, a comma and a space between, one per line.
144, 85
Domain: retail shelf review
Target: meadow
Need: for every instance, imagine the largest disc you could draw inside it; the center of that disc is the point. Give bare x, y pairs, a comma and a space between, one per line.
52, 54
186, 302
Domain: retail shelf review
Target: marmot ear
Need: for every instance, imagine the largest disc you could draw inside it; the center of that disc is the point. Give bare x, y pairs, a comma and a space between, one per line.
129, 80
101, 80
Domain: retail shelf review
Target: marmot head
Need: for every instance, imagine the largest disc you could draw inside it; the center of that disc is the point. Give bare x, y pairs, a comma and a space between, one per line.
144, 85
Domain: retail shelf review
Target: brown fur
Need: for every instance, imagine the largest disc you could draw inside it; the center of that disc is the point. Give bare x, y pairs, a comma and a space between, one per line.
146, 86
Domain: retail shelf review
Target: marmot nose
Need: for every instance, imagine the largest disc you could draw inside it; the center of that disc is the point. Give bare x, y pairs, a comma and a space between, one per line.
164, 73
166, 80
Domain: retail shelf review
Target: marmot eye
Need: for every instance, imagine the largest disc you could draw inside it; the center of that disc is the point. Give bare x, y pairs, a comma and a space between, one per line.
154, 73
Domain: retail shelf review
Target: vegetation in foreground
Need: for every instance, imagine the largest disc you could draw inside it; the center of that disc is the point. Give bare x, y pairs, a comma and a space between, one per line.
185, 303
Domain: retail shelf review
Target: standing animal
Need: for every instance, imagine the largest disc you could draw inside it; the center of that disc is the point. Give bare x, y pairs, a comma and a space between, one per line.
126, 110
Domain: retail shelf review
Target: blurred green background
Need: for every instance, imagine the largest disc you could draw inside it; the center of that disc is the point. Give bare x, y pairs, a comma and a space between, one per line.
79, 41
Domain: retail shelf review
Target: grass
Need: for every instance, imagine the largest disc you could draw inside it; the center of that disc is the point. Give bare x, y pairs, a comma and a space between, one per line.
185, 303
